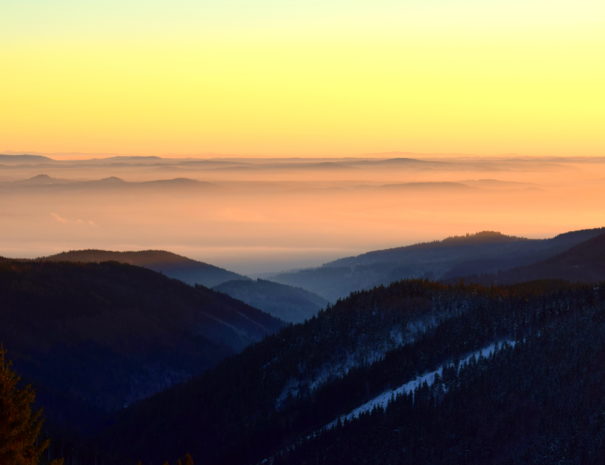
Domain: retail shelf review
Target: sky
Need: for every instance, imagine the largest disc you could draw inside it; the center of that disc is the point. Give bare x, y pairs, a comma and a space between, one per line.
293, 78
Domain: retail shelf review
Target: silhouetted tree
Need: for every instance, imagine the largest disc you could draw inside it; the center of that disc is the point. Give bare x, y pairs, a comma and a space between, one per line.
19, 425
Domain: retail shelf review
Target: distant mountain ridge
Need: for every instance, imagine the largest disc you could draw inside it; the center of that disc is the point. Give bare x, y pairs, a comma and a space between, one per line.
454, 257
44, 181
20, 158
175, 266
40, 180
482, 237
287, 303
582, 263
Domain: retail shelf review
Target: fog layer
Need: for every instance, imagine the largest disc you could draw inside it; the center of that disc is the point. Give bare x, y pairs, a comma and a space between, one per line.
262, 215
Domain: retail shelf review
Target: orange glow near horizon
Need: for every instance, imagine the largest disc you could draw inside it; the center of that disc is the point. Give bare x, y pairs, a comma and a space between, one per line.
257, 216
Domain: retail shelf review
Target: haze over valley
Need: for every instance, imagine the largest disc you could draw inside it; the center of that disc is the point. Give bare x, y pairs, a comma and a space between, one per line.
260, 216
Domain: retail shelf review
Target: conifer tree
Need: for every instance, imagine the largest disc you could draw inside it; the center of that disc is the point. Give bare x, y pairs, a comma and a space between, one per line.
19, 425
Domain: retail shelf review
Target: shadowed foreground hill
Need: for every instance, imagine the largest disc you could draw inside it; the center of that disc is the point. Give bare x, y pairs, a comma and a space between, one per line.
287, 303
172, 265
482, 253
512, 366
92, 338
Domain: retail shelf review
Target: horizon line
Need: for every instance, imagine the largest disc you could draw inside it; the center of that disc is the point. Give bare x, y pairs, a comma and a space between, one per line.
71, 156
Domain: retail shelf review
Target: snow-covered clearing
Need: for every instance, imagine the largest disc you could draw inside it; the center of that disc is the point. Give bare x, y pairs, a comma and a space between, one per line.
383, 399
362, 355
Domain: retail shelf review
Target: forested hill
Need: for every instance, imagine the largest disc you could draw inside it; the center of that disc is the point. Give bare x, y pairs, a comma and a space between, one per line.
93, 338
454, 257
285, 398
284, 302
537, 402
584, 262
288, 303
172, 265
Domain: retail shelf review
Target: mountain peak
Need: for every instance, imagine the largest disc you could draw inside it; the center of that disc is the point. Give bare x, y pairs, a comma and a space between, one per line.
482, 237
112, 180
40, 179
173, 265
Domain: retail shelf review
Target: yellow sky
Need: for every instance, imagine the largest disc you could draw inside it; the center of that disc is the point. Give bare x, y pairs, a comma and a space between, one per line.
332, 78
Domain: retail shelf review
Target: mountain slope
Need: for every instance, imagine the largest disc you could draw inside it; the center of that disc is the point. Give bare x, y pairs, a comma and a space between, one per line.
172, 265
285, 390
481, 253
584, 262
536, 402
101, 336
287, 303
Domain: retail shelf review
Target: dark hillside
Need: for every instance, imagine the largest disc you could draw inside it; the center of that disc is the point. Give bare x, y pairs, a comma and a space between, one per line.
582, 263
97, 337
172, 265
288, 303
286, 389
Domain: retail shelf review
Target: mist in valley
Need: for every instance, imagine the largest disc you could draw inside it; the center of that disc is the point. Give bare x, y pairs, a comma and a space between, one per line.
257, 216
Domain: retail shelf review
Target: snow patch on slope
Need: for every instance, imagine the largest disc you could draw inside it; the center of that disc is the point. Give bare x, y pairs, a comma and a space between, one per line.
363, 355
382, 400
